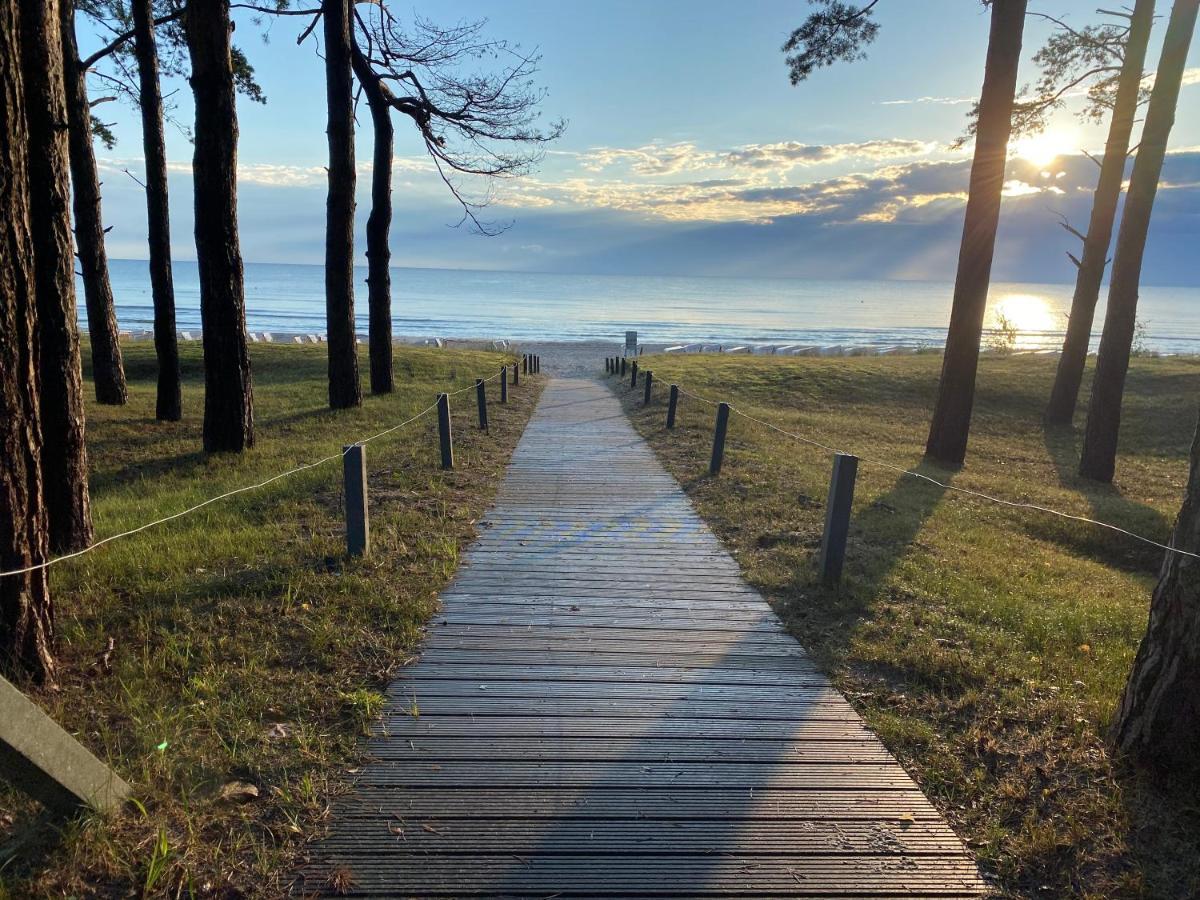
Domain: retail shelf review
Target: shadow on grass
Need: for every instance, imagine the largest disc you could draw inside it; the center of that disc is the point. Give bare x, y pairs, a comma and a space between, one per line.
1106, 504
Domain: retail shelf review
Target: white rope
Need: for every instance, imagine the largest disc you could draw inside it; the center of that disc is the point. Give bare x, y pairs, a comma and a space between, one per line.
241, 490
1014, 504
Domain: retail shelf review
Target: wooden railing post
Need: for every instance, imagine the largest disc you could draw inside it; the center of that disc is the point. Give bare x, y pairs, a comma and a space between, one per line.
516, 374
718, 451
41, 759
607, 365
447, 448
837, 517
672, 403
481, 402
504, 384
525, 363
646, 394
624, 362
354, 480
633, 378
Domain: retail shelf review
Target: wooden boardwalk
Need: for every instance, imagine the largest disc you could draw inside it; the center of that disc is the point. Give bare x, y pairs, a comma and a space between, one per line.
604, 708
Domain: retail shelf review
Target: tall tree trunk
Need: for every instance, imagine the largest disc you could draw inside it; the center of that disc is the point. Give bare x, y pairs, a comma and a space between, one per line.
26, 613
228, 391
344, 387
168, 406
1099, 453
108, 369
64, 451
947, 443
1159, 715
1063, 396
379, 225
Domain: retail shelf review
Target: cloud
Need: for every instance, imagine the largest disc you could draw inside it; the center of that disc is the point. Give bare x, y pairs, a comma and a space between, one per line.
938, 101
785, 155
652, 159
266, 174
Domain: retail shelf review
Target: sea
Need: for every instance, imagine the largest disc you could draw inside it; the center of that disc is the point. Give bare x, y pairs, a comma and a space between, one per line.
288, 299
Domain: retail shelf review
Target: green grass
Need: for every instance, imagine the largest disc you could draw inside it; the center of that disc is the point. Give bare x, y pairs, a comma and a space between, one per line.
986, 646
248, 655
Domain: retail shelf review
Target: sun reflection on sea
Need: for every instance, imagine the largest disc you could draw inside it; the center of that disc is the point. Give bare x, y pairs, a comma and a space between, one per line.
1033, 321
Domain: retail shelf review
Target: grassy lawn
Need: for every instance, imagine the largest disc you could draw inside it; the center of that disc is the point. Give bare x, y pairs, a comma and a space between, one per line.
247, 654
986, 646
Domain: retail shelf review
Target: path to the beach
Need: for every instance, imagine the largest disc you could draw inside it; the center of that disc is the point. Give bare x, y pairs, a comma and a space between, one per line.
603, 707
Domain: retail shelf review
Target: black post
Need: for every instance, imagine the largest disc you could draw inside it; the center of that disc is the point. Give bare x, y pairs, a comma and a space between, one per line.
671, 404
525, 363
646, 395
504, 384
633, 377
837, 517
481, 402
624, 361
354, 477
714, 466
443, 405
516, 374
607, 364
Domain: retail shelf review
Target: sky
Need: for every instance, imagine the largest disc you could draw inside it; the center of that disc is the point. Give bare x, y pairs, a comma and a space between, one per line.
686, 151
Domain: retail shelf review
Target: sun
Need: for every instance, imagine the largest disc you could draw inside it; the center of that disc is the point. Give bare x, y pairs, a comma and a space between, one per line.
1043, 149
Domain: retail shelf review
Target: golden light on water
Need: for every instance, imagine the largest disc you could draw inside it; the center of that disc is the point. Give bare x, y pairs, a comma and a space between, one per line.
1029, 315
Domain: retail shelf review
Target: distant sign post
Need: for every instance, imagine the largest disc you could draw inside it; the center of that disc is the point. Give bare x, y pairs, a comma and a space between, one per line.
631, 343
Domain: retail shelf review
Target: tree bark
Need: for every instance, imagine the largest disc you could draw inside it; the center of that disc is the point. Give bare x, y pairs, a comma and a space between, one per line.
947, 443
1159, 716
168, 405
1064, 395
26, 611
64, 451
108, 369
228, 389
1099, 453
379, 225
344, 388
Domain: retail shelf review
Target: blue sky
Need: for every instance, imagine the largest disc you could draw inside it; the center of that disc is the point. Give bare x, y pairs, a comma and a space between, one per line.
687, 151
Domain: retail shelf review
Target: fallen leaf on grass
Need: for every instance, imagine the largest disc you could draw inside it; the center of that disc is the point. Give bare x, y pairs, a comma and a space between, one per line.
238, 792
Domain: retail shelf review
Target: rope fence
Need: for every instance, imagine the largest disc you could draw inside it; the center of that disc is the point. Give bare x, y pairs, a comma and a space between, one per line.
530, 362
842, 485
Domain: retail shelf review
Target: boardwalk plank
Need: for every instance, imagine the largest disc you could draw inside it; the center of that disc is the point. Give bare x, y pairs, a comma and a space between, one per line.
604, 708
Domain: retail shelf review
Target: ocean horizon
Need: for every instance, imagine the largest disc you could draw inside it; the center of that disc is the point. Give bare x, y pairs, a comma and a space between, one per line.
536, 306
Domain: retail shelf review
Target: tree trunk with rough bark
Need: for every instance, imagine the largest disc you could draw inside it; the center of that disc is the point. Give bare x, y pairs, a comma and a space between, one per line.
1159, 716
26, 611
64, 448
108, 369
228, 390
947, 443
1098, 456
344, 387
168, 405
379, 224
1065, 393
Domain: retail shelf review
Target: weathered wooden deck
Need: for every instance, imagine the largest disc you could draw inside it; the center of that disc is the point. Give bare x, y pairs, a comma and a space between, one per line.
603, 708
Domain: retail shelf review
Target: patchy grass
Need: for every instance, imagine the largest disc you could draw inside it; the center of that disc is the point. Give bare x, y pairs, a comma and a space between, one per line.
986, 646
247, 653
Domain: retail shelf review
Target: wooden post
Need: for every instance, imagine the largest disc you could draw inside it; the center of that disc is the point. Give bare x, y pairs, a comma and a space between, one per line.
516, 374
504, 384
671, 404
354, 478
443, 405
525, 363
837, 517
607, 365
633, 377
718, 451
481, 402
41, 759
646, 394
624, 361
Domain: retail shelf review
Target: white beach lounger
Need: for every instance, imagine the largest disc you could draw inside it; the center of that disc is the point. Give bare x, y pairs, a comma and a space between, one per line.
677, 348
267, 337
297, 340
253, 337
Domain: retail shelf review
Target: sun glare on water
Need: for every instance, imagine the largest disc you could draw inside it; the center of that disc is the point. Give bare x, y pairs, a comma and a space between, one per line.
1030, 316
